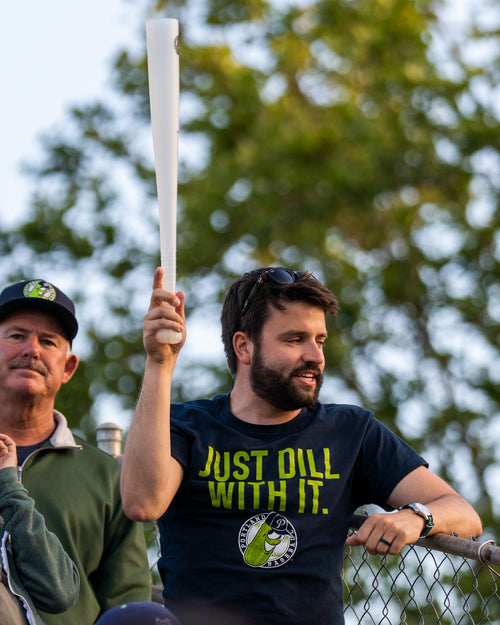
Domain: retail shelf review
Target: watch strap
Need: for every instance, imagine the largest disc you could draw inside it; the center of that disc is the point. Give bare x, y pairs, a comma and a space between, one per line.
424, 513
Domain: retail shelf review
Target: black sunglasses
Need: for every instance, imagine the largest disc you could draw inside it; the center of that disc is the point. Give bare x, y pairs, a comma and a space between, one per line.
279, 276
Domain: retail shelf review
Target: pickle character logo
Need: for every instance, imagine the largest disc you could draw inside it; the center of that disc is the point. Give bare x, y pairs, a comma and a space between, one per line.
267, 540
40, 290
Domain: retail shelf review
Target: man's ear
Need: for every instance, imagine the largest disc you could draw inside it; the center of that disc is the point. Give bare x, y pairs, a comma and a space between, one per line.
243, 348
70, 367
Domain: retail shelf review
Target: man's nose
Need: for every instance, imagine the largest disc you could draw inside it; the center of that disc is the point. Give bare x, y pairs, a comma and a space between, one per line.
31, 347
314, 352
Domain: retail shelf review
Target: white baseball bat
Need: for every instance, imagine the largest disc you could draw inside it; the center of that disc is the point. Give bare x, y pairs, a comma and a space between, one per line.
162, 37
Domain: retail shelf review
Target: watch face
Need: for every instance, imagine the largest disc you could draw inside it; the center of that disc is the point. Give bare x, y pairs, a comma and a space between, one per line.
425, 513
420, 509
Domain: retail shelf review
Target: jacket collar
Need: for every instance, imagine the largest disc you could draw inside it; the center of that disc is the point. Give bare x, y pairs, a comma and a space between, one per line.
62, 436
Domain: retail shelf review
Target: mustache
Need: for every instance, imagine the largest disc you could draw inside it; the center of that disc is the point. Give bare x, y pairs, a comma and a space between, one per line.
29, 363
309, 367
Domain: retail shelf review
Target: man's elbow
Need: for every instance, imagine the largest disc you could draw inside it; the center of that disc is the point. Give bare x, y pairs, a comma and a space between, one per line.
63, 593
472, 526
136, 506
477, 526
137, 511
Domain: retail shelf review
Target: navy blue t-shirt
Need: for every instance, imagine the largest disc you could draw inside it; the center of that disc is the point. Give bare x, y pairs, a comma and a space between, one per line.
260, 520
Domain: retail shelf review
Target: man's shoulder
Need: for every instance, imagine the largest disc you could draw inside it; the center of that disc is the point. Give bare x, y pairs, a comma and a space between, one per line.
344, 410
205, 405
350, 419
98, 456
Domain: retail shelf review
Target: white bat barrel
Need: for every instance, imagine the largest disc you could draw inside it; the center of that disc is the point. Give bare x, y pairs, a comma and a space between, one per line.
162, 36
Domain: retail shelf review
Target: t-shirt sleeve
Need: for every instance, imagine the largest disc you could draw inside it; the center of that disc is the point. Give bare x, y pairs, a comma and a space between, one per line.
180, 439
384, 460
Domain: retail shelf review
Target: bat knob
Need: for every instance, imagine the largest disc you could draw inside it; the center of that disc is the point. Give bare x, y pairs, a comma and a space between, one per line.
168, 337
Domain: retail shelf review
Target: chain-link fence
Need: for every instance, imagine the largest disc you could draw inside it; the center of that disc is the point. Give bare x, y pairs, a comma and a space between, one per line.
441, 580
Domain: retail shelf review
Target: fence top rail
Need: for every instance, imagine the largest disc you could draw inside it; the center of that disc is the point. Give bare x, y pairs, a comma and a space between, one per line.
485, 552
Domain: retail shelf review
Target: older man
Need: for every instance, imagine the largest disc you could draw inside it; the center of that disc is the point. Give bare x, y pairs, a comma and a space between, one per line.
75, 486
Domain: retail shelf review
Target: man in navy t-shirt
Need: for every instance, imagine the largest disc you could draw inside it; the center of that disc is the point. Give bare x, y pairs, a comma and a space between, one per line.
254, 490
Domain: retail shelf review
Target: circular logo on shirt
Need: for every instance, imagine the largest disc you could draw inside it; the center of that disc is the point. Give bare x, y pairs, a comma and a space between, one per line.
267, 540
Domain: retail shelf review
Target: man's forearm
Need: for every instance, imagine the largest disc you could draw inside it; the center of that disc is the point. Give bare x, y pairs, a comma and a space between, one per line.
146, 460
452, 514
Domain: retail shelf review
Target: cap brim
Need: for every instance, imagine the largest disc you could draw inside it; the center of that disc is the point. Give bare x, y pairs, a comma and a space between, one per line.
67, 320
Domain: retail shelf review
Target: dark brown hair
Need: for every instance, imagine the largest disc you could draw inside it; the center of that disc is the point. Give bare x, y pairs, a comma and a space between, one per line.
305, 288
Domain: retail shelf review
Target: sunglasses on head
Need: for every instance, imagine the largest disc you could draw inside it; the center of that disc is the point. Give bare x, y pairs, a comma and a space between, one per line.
279, 276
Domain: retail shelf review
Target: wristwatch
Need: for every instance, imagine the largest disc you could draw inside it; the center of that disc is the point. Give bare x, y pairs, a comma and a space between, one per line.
425, 513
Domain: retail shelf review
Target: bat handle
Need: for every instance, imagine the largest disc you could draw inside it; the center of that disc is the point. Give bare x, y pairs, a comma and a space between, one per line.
168, 337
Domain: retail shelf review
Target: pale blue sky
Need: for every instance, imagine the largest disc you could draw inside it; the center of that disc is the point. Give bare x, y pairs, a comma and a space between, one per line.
52, 54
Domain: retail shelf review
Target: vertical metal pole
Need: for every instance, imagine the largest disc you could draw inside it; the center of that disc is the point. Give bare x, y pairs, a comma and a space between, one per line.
109, 439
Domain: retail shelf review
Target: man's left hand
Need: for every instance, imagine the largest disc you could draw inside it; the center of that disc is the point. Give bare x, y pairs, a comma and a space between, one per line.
388, 533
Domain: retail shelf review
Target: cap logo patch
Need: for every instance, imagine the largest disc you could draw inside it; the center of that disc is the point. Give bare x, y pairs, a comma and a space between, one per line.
40, 290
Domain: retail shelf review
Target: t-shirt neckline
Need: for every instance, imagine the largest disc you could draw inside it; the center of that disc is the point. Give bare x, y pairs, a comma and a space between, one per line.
296, 424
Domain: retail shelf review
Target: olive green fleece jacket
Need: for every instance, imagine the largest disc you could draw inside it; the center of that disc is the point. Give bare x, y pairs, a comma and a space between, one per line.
76, 488
38, 569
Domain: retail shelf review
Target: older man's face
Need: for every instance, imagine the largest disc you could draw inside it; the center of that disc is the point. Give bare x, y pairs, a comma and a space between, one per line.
35, 357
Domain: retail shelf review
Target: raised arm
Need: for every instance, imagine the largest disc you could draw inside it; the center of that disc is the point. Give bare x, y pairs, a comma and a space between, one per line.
451, 513
150, 477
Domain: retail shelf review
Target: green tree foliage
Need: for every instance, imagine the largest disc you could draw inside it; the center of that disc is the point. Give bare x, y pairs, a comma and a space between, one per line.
352, 138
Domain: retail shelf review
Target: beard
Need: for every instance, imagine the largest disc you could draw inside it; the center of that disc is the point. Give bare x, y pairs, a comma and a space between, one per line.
280, 389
